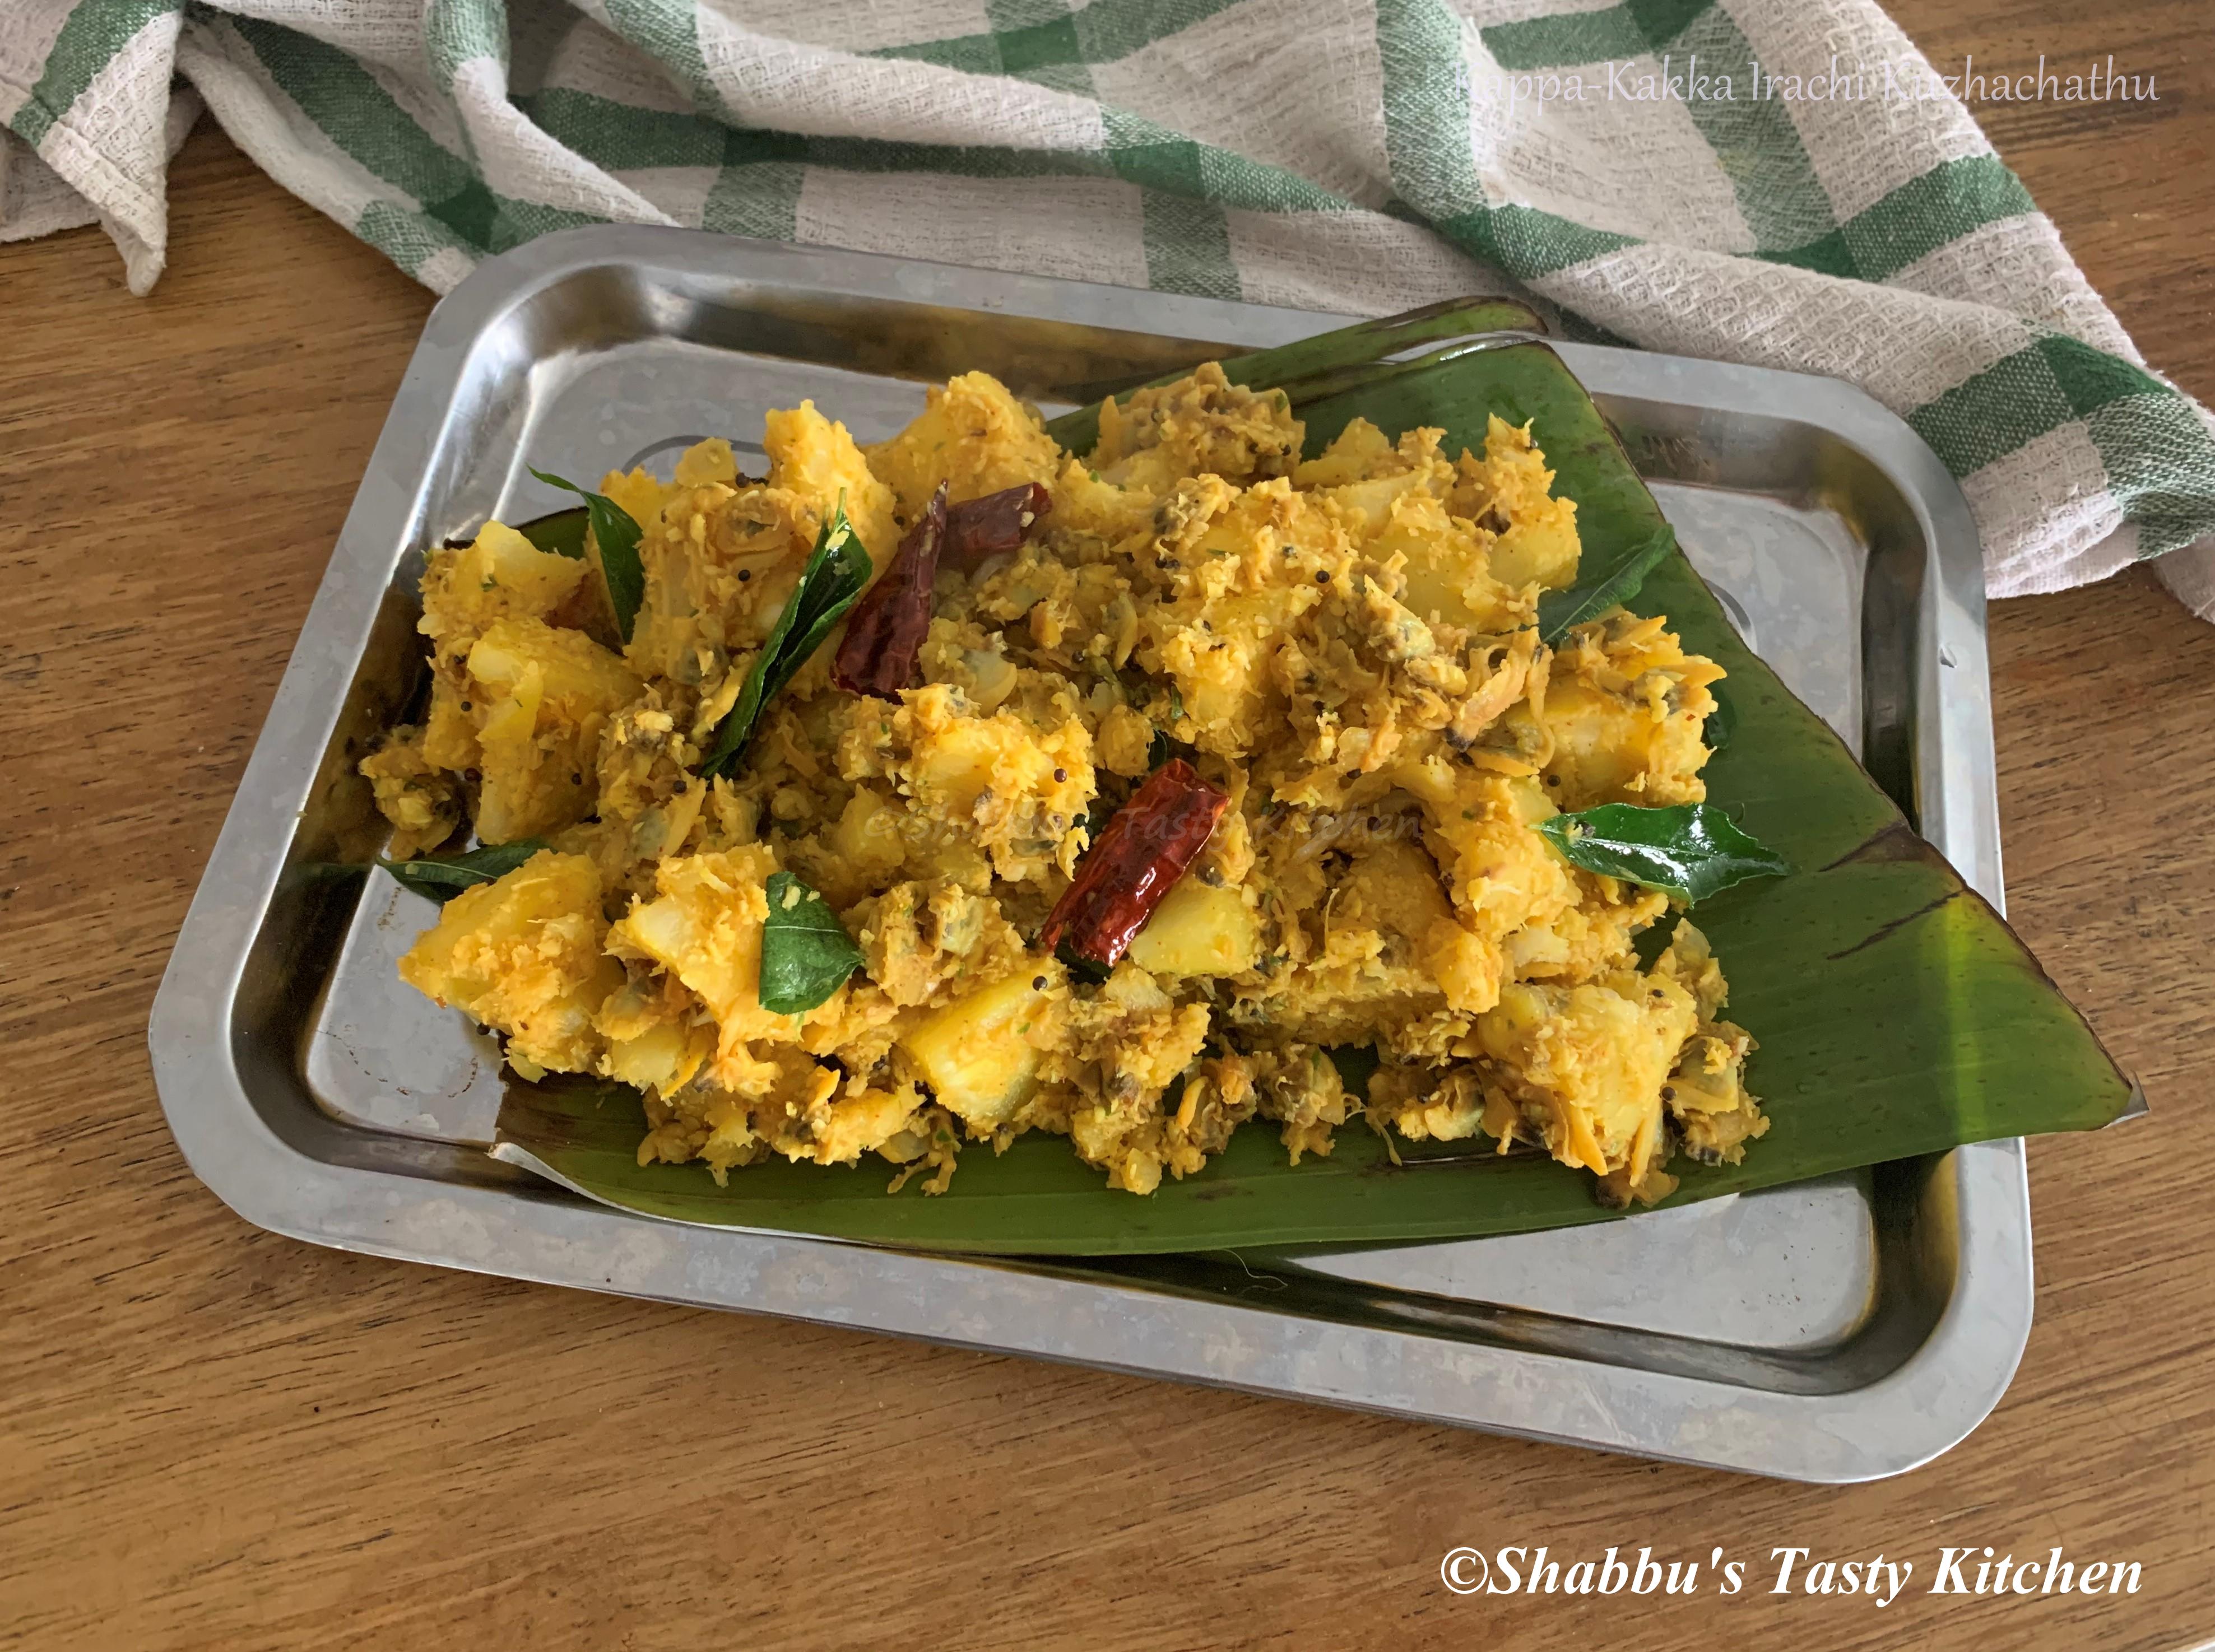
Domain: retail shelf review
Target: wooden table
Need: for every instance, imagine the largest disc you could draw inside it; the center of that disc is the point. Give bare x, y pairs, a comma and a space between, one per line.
211, 1437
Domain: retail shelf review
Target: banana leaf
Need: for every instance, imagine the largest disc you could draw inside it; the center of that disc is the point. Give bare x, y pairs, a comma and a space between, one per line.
1348, 358
1897, 1015
561, 533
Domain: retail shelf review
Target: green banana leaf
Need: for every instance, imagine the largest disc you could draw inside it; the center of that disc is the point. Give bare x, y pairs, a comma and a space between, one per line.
562, 532
1896, 1014
1329, 362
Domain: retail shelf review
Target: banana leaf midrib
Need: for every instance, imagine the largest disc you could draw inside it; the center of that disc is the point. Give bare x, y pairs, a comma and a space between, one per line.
1329, 363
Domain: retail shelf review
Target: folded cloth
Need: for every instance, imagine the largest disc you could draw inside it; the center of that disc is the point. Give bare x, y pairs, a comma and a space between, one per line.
1784, 182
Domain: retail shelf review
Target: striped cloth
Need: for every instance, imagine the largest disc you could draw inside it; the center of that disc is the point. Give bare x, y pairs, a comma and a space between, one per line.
1772, 182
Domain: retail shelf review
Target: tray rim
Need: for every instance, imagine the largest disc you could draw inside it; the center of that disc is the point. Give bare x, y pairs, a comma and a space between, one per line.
1927, 1404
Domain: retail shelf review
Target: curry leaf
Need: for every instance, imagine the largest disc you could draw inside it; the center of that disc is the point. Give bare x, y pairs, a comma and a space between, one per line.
806, 953
1688, 851
617, 533
828, 586
1600, 589
442, 876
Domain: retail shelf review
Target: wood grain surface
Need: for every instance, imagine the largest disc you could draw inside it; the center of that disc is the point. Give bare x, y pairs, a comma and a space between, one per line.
211, 1437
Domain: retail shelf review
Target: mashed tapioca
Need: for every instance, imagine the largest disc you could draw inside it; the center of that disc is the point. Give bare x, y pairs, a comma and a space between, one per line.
1343, 649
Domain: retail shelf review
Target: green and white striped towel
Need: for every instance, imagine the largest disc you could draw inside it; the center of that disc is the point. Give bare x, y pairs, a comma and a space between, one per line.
1814, 202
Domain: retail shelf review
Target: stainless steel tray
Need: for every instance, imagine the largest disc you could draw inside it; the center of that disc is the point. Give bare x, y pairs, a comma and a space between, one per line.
1836, 1330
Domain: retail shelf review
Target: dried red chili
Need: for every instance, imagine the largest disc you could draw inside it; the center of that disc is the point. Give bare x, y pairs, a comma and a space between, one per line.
1141, 851
885, 632
888, 625
995, 525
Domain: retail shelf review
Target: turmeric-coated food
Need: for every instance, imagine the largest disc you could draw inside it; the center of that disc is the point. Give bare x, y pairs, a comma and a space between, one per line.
1340, 657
